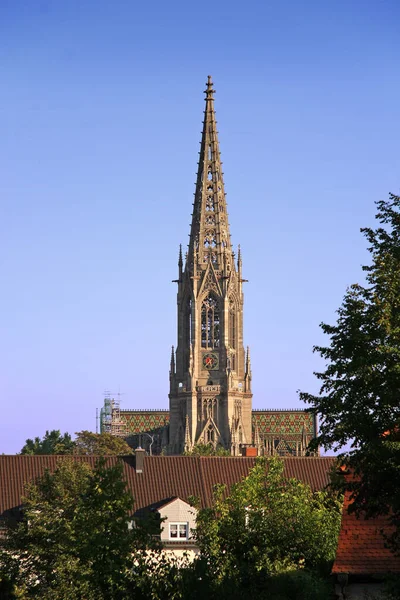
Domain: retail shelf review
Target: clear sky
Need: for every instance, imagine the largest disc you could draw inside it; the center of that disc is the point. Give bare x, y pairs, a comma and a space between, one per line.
101, 106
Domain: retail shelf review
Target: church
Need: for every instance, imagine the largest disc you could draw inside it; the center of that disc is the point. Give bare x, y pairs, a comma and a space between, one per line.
210, 395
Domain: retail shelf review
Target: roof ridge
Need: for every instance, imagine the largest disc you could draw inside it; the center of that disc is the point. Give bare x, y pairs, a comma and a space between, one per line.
305, 410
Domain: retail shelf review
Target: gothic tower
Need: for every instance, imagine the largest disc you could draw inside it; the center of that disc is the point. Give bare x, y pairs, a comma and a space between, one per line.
210, 375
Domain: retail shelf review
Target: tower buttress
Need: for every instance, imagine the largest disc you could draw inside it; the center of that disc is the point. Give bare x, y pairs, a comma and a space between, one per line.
210, 391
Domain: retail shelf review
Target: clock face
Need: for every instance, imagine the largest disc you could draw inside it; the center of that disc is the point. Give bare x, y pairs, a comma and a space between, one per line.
210, 361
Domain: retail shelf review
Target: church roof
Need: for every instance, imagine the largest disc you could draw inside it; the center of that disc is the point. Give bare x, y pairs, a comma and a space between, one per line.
139, 421
284, 422
279, 423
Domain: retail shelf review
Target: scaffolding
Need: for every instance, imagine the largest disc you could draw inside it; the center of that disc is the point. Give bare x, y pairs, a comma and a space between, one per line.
110, 416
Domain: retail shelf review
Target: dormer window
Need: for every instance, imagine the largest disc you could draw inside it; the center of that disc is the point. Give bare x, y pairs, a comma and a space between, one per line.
178, 531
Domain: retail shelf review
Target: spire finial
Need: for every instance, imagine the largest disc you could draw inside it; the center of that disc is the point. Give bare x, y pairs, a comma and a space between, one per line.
172, 364
180, 261
210, 90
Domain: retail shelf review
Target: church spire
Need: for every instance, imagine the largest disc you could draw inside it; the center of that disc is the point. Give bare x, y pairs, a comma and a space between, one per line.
209, 235
212, 380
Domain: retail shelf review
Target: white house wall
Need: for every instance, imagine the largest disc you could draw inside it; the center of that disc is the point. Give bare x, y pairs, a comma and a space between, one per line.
177, 511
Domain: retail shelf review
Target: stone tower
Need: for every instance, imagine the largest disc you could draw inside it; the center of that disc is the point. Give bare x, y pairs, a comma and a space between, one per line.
210, 374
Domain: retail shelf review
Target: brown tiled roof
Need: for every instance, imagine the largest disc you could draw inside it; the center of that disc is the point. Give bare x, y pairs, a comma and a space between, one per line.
361, 546
163, 477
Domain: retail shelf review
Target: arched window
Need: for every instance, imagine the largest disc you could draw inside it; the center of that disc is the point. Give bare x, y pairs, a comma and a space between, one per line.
188, 322
232, 325
210, 323
210, 435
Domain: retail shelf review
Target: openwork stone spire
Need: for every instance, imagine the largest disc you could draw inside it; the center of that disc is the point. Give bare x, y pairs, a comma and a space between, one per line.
210, 389
209, 235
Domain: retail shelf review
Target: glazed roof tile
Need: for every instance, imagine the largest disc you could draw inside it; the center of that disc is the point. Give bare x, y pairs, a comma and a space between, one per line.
287, 423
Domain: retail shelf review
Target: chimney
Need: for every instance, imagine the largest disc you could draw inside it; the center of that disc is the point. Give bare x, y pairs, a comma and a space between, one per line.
139, 459
248, 451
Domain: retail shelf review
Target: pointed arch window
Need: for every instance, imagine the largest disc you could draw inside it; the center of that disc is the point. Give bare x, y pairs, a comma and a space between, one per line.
188, 321
210, 322
232, 324
240, 435
210, 435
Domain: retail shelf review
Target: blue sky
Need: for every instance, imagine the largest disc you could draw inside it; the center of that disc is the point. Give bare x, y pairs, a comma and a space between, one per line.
101, 109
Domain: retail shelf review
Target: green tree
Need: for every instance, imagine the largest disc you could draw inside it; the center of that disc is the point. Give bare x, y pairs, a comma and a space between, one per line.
51, 443
267, 526
358, 401
74, 541
102, 444
207, 450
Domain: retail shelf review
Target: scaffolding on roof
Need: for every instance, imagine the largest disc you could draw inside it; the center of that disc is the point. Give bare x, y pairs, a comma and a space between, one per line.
110, 416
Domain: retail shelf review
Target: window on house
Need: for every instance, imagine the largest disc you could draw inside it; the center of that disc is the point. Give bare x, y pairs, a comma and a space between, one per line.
178, 531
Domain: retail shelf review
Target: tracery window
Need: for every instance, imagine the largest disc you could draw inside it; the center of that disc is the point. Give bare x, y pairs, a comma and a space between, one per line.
210, 322
209, 204
210, 219
210, 435
210, 239
232, 324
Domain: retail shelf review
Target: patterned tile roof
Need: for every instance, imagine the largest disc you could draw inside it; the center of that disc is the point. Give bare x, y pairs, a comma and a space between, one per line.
361, 546
284, 422
138, 421
287, 423
163, 477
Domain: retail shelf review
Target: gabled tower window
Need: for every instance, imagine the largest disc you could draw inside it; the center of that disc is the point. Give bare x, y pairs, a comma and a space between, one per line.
210, 435
210, 323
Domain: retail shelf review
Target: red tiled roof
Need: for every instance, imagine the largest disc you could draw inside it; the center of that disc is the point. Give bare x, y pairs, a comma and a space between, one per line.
163, 477
361, 546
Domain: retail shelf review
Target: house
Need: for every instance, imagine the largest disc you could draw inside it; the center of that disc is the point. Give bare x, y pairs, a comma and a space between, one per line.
178, 523
362, 558
161, 484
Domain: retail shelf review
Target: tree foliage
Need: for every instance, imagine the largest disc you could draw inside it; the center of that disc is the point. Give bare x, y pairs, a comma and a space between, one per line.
270, 537
51, 443
74, 540
102, 444
268, 525
85, 443
207, 450
358, 401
